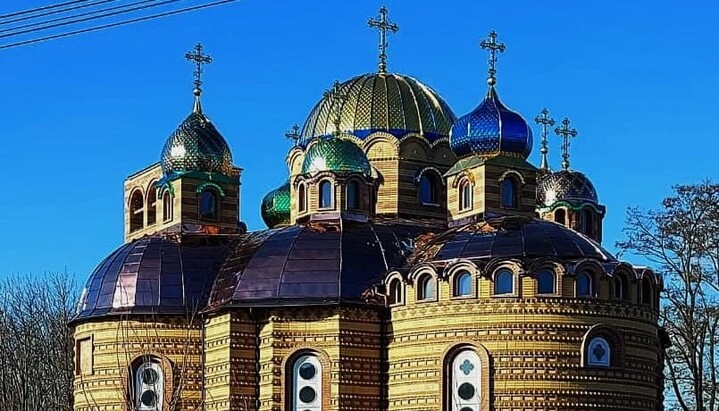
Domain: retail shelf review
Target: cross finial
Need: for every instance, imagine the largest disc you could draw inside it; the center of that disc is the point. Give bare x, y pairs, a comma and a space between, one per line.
384, 26
337, 100
294, 134
493, 47
545, 121
566, 132
199, 59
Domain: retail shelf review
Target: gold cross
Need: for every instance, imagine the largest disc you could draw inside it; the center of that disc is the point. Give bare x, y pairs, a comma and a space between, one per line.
565, 132
199, 59
493, 47
384, 26
545, 121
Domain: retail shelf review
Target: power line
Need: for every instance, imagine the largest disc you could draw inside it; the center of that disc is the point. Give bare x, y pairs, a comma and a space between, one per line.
53, 6
116, 24
49, 25
50, 13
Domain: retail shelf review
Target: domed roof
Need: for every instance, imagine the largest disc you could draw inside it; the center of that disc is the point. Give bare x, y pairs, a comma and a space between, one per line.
337, 155
508, 237
565, 185
491, 128
388, 102
276, 207
196, 145
152, 275
310, 264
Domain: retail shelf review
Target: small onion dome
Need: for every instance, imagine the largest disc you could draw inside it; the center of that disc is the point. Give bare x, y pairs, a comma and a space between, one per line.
196, 145
337, 155
276, 207
565, 185
490, 129
386, 102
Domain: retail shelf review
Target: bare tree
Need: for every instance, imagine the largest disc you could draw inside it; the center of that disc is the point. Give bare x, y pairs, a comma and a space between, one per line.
36, 346
681, 239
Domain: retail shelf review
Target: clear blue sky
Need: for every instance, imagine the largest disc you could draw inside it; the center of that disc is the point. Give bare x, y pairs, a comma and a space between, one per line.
638, 79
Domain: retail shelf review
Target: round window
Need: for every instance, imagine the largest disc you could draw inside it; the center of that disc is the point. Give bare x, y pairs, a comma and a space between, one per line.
149, 376
307, 395
307, 371
466, 391
149, 398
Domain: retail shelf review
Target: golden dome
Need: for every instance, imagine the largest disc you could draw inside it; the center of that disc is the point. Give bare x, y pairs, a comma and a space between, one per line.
387, 102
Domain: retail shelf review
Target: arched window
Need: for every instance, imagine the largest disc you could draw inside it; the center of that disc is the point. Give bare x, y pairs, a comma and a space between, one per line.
465, 195
209, 205
353, 195
167, 206
137, 210
646, 291
306, 393
425, 290
463, 284
509, 193
546, 282
598, 352
620, 286
584, 285
586, 222
560, 216
302, 198
149, 386
395, 291
504, 282
151, 206
428, 190
465, 382
325, 194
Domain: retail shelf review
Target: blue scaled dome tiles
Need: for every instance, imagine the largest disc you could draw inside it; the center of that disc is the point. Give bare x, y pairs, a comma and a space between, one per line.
336, 155
565, 185
387, 102
196, 145
275, 207
491, 129
152, 275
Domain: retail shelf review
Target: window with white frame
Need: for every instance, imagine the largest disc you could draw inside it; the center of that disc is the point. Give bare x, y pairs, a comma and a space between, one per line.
306, 384
149, 386
465, 382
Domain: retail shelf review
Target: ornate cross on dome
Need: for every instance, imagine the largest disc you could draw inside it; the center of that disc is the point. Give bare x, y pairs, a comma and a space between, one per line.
337, 101
199, 59
294, 134
545, 121
566, 133
493, 47
384, 26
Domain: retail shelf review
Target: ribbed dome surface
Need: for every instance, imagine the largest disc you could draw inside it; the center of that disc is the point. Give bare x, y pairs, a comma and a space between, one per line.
337, 155
388, 102
196, 145
565, 185
491, 128
276, 207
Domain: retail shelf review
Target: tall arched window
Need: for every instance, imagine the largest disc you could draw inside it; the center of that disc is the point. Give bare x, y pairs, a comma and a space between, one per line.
137, 209
560, 216
149, 386
302, 198
151, 206
209, 205
463, 284
428, 190
586, 221
584, 285
353, 195
306, 384
465, 195
646, 291
598, 352
509, 193
167, 206
395, 291
504, 282
620, 286
325, 194
425, 290
465, 382
546, 282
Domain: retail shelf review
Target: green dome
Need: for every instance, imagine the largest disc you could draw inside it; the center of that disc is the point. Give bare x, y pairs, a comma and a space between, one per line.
276, 207
336, 155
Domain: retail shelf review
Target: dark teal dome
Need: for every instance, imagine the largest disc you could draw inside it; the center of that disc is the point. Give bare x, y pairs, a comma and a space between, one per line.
337, 155
490, 129
196, 145
276, 207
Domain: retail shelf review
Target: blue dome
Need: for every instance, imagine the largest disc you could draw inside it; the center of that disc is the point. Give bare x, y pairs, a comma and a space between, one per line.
491, 128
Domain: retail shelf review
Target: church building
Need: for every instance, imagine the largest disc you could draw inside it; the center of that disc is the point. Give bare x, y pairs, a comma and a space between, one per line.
413, 261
